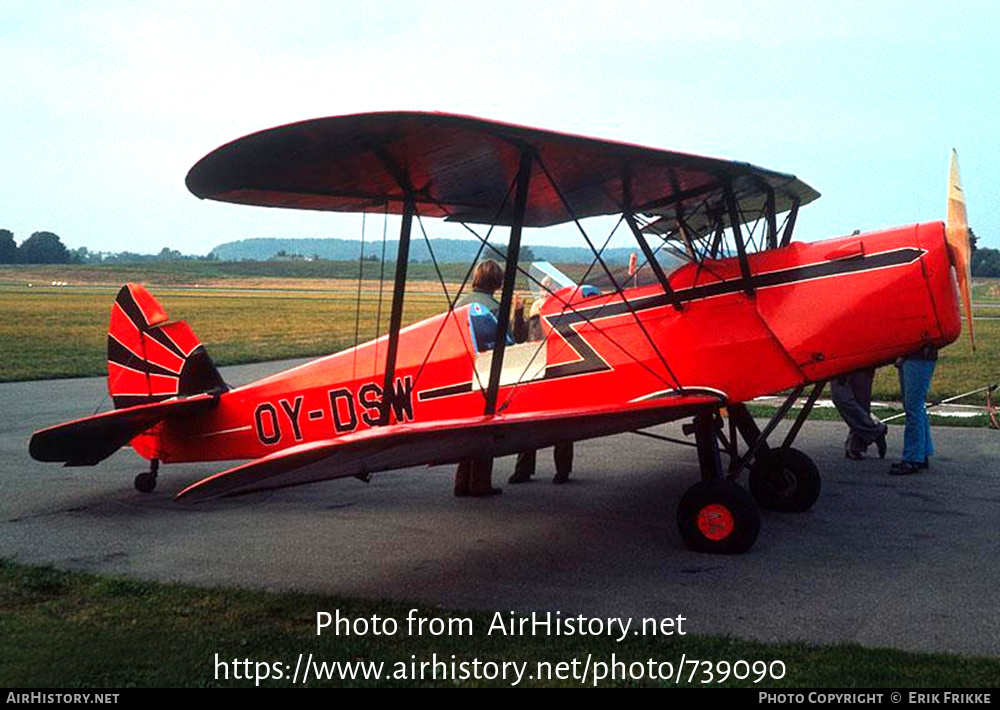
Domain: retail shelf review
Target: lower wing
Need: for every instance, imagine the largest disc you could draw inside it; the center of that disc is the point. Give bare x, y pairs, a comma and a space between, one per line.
440, 442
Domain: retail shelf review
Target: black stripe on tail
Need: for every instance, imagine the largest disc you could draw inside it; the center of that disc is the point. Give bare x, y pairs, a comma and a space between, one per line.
150, 358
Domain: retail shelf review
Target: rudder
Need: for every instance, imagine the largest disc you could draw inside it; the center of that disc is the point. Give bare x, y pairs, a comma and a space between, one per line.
150, 358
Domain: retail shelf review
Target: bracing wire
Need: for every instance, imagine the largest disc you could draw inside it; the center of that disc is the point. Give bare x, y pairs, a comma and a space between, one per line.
381, 285
461, 288
614, 281
568, 306
357, 302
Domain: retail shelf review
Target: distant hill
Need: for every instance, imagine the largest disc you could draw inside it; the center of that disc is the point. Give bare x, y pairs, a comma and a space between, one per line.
445, 250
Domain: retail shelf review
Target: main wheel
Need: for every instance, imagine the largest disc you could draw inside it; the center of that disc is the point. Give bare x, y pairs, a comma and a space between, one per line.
145, 482
718, 516
789, 488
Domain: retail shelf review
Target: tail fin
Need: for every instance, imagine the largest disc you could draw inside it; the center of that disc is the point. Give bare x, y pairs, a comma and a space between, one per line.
151, 359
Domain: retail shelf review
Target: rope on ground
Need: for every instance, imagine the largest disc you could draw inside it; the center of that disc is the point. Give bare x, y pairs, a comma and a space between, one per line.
991, 409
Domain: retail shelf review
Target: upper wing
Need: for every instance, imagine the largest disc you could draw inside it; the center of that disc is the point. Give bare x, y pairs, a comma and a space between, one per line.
402, 445
88, 441
463, 168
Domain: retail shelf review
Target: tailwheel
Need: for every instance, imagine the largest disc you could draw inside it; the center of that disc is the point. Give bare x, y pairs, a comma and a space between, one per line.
790, 485
146, 482
718, 516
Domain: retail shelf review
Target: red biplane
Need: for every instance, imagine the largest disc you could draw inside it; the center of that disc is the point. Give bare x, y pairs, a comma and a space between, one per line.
750, 313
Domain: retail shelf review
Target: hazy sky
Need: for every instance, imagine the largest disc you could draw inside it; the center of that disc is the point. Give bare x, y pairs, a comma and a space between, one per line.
106, 105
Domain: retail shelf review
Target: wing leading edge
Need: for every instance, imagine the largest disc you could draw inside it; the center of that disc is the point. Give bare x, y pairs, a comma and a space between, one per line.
432, 443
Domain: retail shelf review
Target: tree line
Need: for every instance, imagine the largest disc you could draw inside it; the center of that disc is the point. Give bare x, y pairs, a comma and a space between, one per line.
47, 248
985, 261
39, 248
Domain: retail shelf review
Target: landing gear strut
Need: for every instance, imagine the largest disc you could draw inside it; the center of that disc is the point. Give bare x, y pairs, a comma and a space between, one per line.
716, 514
146, 482
782, 478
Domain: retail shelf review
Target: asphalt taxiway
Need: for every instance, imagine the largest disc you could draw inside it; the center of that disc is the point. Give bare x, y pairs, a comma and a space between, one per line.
909, 563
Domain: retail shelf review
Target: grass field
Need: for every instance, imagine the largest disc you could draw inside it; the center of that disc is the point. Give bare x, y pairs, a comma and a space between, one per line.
959, 369
51, 332
66, 629
208, 273
255, 311
830, 414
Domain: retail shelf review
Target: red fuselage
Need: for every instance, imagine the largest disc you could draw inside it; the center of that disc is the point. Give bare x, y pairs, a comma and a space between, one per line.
814, 310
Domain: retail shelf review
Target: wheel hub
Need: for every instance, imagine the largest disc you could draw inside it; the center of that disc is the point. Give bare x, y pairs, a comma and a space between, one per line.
715, 522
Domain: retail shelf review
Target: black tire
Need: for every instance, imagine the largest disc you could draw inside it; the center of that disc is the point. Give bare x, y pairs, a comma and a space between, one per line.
145, 482
791, 488
718, 516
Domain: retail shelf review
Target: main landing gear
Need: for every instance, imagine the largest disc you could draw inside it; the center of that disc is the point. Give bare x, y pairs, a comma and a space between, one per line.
718, 515
146, 482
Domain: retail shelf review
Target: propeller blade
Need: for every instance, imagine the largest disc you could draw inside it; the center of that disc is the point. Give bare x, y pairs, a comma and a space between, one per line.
959, 246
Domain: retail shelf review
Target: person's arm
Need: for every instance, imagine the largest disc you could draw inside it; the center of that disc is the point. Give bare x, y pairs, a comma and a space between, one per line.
520, 325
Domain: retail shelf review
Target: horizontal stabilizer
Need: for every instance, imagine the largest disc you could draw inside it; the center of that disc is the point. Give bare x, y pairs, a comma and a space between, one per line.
88, 441
402, 445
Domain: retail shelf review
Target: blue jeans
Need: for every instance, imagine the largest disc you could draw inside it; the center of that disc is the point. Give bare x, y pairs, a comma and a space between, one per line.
914, 381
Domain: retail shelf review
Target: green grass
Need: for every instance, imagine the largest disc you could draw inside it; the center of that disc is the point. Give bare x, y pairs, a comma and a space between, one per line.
986, 290
256, 311
959, 368
766, 411
53, 332
203, 272
68, 629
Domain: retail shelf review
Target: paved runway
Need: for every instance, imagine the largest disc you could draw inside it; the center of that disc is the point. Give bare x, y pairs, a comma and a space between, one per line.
907, 563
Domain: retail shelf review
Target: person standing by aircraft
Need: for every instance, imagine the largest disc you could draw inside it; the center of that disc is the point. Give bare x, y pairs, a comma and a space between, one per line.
915, 373
852, 396
524, 469
475, 477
